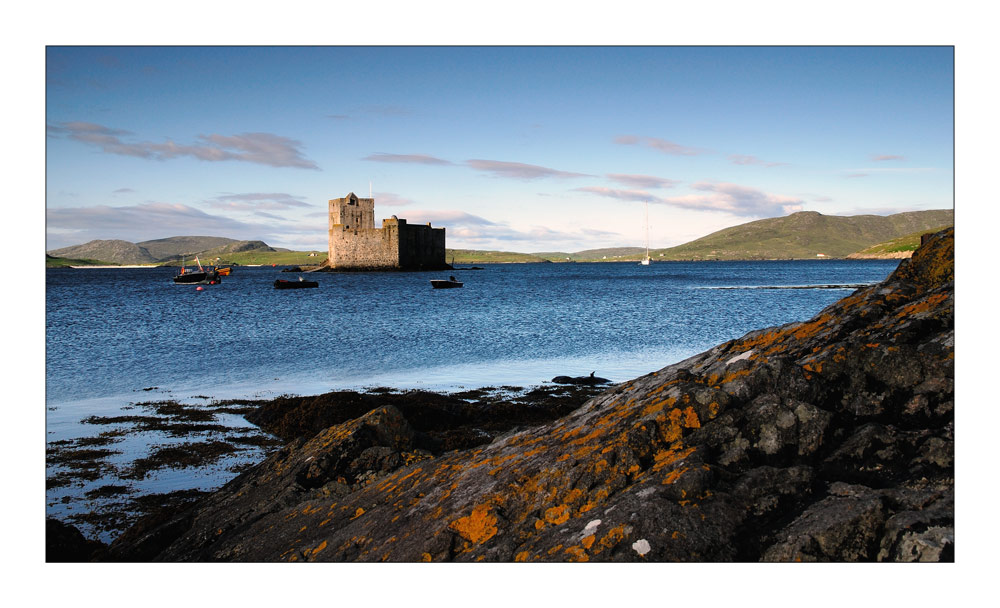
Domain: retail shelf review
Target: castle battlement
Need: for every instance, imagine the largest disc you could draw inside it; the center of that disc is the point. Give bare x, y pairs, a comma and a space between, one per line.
356, 244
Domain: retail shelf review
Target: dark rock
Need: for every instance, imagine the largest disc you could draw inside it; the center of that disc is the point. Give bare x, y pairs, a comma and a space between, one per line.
826, 440
64, 543
586, 380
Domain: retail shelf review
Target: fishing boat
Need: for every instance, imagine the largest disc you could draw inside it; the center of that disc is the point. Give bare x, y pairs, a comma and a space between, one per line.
225, 271
645, 261
448, 283
202, 276
300, 284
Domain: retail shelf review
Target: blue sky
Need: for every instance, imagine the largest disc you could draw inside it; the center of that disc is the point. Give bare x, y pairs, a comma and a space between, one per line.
509, 148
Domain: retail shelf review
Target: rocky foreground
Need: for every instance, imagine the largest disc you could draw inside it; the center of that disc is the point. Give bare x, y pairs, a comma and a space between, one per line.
826, 440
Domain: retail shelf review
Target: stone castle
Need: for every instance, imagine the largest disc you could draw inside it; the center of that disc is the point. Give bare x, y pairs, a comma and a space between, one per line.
356, 244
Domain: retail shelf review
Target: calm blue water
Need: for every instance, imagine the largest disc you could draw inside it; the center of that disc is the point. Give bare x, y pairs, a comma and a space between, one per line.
111, 333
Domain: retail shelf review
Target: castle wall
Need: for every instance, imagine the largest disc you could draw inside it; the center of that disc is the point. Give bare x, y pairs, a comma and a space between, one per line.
421, 247
369, 249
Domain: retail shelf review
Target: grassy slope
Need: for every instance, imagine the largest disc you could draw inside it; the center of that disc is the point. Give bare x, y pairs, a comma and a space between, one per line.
905, 243
57, 262
804, 235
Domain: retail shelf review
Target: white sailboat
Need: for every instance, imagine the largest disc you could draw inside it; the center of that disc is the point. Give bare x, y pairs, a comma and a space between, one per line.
645, 261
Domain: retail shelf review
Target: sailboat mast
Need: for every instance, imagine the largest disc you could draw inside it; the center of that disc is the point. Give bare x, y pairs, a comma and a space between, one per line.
647, 230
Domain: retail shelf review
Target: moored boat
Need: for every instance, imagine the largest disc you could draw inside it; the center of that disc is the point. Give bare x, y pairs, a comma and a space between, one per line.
202, 276
448, 283
300, 284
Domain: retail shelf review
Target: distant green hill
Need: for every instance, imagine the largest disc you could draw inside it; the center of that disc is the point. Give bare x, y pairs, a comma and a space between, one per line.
107, 251
805, 235
177, 246
177, 249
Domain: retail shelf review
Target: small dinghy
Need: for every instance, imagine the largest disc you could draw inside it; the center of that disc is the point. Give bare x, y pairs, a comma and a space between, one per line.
448, 283
300, 284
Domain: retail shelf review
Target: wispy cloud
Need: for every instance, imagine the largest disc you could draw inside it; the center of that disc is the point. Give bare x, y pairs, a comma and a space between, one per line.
642, 181
662, 145
746, 159
143, 222
499, 168
625, 195
420, 159
258, 148
123, 191
446, 216
742, 201
466, 230
257, 201
881, 157
390, 199
866, 171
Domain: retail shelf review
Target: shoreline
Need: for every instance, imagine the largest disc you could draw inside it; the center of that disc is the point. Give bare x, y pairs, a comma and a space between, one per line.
127, 468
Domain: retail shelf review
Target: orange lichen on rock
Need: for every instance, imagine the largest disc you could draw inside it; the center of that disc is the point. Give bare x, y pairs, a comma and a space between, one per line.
577, 554
691, 418
924, 305
674, 475
478, 526
557, 515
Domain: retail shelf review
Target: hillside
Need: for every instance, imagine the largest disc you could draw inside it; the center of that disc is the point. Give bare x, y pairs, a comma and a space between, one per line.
804, 235
898, 248
174, 250
176, 246
107, 251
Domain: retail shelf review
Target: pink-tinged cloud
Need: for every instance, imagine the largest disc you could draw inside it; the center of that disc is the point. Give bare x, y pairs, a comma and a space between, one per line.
738, 200
444, 217
257, 201
662, 145
746, 159
881, 157
642, 181
389, 199
625, 195
420, 159
499, 168
258, 148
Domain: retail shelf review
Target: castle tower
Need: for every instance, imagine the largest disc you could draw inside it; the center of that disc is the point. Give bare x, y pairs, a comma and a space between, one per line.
352, 212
